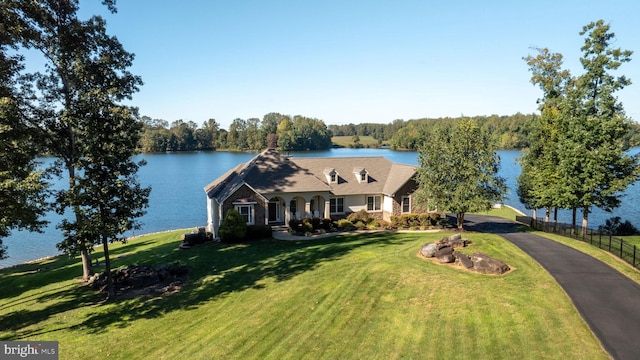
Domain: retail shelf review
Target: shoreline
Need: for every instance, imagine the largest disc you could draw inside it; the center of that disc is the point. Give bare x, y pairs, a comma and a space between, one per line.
49, 257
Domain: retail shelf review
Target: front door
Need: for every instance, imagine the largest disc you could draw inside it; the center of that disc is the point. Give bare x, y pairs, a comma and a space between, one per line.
274, 211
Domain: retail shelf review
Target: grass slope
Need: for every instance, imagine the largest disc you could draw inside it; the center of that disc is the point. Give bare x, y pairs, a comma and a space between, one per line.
347, 141
362, 296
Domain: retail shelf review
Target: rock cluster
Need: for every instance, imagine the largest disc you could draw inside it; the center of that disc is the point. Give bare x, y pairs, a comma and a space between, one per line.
156, 279
444, 251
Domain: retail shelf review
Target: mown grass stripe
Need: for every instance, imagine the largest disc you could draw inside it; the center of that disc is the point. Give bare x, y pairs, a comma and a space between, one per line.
361, 296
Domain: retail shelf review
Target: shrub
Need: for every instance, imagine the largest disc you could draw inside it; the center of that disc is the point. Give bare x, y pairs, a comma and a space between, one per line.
413, 220
361, 216
233, 226
327, 224
424, 219
435, 218
614, 226
360, 225
316, 223
444, 222
294, 223
397, 222
345, 224
306, 225
626, 229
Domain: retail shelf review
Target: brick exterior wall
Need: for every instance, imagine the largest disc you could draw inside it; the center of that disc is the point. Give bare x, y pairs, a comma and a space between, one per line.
245, 192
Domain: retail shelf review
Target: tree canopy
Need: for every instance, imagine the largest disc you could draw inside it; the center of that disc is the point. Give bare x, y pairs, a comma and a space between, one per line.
76, 108
22, 187
458, 171
576, 158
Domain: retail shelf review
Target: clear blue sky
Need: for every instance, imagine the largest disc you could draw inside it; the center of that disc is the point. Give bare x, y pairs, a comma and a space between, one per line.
354, 61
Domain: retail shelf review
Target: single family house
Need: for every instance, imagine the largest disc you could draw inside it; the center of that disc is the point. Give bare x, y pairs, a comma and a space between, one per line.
273, 188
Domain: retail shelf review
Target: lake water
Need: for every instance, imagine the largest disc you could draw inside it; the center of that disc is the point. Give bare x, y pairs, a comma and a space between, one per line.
177, 198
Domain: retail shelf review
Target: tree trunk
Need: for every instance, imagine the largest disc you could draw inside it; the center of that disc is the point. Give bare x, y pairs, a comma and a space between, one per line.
535, 214
460, 221
87, 266
573, 221
107, 268
547, 214
585, 221
555, 219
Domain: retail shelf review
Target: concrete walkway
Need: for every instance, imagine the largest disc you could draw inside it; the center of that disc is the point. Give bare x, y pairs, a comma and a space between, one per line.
607, 300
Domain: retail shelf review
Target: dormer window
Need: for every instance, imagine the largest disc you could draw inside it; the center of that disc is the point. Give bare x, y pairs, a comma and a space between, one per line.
362, 175
331, 174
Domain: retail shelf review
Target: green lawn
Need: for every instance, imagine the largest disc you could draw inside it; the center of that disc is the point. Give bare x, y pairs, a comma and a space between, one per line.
346, 141
503, 212
366, 296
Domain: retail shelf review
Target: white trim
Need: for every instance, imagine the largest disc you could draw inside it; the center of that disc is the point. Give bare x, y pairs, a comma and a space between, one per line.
373, 203
251, 214
408, 197
336, 207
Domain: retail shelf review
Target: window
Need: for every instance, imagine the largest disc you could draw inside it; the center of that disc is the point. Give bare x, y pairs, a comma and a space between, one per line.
336, 205
374, 203
292, 206
406, 204
334, 177
247, 213
363, 176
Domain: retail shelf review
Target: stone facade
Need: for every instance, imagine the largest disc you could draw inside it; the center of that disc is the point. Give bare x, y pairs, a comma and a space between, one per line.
406, 190
245, 192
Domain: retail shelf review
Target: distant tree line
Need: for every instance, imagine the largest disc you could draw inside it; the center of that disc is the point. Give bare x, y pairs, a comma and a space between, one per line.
298, 132
288, 133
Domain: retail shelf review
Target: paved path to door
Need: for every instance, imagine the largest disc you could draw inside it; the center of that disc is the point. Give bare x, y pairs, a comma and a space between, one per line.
607, 300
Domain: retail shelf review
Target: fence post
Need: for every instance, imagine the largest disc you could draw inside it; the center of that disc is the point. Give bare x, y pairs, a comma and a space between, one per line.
634, 256
621, 246
610, 236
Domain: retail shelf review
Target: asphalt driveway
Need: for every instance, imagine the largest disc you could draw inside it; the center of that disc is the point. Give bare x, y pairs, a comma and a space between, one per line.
607, 300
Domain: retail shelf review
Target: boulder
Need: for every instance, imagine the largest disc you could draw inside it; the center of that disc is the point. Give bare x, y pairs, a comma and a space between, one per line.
447, 250
455, 237
463, 259
446, 258
457, 243
428, 250
485, 264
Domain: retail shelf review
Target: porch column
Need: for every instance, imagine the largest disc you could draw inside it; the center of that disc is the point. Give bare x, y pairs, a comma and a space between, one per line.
307, 209
327, 211
287, 212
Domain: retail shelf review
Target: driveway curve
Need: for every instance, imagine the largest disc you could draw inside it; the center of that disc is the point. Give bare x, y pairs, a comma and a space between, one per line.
607, 300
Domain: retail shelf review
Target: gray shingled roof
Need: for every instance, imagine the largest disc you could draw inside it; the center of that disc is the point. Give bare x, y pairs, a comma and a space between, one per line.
271, 172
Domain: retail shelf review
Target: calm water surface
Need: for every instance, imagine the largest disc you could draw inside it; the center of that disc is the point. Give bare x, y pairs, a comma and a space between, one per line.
177, 198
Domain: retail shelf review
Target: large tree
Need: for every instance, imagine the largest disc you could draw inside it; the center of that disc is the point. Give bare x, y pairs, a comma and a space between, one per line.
458, 171
538, 185
579, 160
22, 187
79, 95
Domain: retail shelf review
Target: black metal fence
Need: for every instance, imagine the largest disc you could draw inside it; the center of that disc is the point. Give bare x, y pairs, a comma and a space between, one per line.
616, 246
